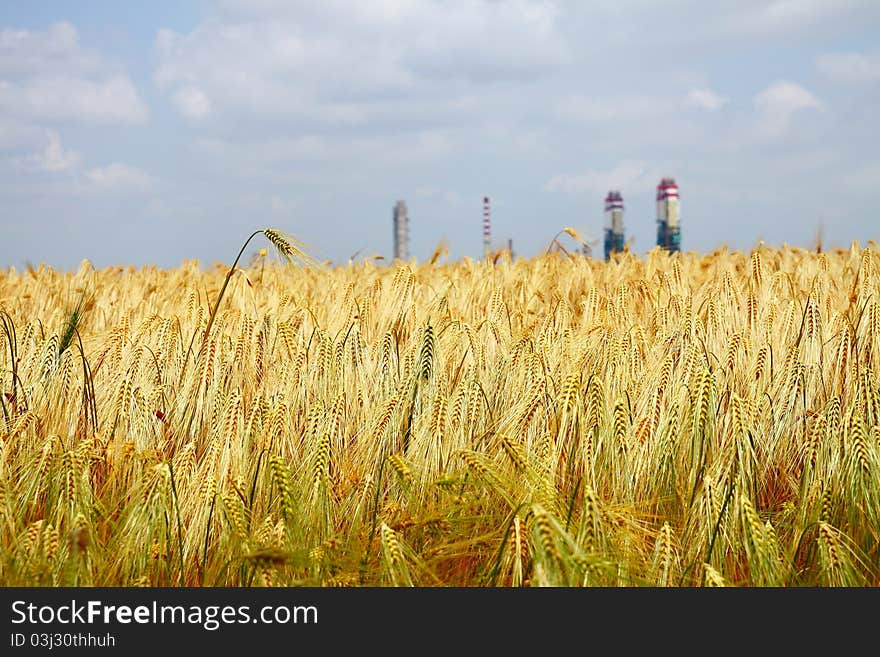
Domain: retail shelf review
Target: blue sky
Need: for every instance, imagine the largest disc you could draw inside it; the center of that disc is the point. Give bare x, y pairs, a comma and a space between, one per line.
152, 133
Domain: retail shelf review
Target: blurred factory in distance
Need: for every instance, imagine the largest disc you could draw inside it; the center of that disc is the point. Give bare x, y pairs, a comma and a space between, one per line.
400, 222
614, 223
668, 228
668, 224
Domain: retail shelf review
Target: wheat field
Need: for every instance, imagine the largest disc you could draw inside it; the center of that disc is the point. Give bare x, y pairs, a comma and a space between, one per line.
657, 420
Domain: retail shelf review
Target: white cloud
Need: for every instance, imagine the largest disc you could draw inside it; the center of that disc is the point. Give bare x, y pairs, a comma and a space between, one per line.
113, 100
581, 108
27, 52
355, 63
625, 175
55, 157
48, 77
16, 136
850, 67
784, 16
484, 41
32, 150
272, 152
192, 102
705, 99
454, 38
778, 103
598, 109
611, 29
726, 21
315, 148
119, 177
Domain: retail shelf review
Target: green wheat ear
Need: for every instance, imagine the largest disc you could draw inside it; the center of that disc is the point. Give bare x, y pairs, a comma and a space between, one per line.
288, 248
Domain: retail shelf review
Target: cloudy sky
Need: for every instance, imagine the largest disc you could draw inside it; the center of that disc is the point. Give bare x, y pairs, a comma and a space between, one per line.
135, 133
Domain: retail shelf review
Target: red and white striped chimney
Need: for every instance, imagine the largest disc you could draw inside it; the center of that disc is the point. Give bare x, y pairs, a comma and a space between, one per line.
486, 227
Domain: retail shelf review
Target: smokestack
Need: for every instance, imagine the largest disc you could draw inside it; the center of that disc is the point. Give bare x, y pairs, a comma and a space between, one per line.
668, 227
614, 236
486, 227
401, 231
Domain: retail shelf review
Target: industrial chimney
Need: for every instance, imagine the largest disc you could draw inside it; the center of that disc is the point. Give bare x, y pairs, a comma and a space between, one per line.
614, 223
487, 232
401, 231
668, 227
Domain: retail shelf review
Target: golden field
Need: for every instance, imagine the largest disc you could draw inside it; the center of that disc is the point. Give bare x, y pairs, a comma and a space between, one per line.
686, 420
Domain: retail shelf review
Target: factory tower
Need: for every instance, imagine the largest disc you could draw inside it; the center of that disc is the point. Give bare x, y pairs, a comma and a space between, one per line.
401, 231
668, 226
487, 230
614, 226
